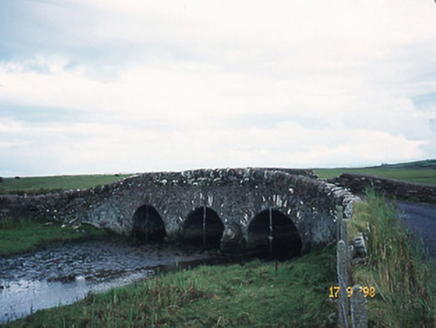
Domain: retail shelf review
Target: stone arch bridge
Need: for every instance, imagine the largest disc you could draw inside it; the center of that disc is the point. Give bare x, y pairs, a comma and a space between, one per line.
235, 209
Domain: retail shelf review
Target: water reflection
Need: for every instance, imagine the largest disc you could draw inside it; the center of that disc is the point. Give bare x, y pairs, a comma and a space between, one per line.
67, 273
20, 298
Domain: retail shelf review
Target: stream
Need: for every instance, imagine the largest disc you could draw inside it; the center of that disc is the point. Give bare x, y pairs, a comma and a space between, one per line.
64, 274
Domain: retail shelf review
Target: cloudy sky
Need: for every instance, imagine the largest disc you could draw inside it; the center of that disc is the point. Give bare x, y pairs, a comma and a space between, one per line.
108, 86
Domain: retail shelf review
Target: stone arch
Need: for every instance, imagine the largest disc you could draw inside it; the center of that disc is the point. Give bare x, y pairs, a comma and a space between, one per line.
204, 227
271, 233
148, 225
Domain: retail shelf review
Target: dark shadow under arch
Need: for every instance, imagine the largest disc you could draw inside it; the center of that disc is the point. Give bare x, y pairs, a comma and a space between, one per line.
148, 225
272, 234
204, 227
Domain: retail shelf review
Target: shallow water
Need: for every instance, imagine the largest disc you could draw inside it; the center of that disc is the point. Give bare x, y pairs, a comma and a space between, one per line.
67, 273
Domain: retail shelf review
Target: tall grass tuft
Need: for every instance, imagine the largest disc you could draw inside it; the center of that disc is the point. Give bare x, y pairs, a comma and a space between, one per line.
401, 271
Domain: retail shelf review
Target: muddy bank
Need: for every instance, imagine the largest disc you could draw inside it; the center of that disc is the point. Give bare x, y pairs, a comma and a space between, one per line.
64, 274
93, 260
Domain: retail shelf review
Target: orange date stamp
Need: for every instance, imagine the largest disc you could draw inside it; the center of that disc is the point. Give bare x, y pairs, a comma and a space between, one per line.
366, 291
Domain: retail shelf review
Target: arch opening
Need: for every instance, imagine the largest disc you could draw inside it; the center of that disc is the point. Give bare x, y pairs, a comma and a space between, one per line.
272, 234
148, 225
203, 227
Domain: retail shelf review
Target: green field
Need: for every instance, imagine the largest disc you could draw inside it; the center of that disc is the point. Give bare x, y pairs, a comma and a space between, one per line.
38, 185
419, 172
26, 235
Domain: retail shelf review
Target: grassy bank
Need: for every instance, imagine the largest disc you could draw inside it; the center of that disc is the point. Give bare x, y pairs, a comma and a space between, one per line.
38, 185
252, 295
398, 267
25, 235
418, 172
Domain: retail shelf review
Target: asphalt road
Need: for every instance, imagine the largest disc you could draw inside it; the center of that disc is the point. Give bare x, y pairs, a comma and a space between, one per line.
421, 218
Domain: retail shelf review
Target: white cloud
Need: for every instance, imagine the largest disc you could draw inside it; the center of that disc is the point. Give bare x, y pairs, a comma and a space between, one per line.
179, 84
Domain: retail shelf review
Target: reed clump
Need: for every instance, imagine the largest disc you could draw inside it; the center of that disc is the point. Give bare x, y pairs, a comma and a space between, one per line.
398, 267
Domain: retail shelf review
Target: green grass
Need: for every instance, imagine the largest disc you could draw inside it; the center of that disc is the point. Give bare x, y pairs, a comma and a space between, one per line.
399, 269
38, 185
250, 295
419, 172
25, 235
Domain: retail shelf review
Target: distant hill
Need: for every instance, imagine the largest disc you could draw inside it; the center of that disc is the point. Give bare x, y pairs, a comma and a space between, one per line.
419, 171
426, 164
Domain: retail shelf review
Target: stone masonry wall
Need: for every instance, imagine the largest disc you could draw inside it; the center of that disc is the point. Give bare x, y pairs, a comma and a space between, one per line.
402, 190
236, 195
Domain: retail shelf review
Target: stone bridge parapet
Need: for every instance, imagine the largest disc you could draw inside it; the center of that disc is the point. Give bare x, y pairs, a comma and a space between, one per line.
236, 198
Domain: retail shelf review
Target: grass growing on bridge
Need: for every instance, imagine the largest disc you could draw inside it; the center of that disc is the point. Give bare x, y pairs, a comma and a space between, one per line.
398, 267
250, 295
25, 235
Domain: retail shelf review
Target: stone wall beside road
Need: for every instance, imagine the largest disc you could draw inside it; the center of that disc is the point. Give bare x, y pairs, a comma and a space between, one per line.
401, 190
